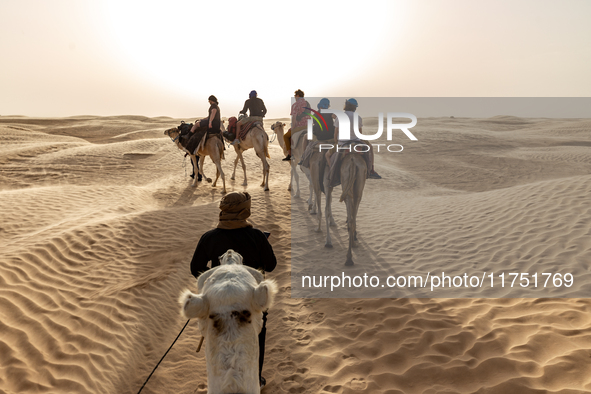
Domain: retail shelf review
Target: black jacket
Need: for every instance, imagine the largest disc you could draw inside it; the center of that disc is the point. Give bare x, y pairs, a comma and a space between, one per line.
256, 107
250, 242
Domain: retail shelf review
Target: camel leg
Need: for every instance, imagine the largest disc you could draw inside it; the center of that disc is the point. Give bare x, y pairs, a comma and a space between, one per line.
306, 172
245, 183
241, 158
351, 227
328, 214
296, 177
217, 175
235, 165
260, 147
358, 190
194, 162
217, 159
201, 162
265, 183
330, 219
316, 206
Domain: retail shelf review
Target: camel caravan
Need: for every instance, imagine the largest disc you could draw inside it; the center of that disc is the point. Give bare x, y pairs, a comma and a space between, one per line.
233, 297
245, 133
206, 138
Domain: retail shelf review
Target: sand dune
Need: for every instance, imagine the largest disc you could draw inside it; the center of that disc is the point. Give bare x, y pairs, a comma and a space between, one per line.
99, 223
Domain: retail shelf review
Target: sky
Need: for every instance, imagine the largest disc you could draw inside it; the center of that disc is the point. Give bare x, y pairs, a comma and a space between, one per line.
75, 57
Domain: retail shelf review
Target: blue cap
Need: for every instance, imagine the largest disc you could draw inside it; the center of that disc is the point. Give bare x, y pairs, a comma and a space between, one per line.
252, 94
353, 101
323, 104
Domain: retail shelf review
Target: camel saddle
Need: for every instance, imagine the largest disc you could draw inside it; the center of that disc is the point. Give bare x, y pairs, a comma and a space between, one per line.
334, 175
245, 128
211, 134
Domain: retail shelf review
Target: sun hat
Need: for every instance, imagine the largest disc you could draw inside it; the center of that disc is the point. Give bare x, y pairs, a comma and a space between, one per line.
353, 101
323, 104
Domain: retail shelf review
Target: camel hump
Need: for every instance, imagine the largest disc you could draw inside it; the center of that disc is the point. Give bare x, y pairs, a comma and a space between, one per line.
231, 257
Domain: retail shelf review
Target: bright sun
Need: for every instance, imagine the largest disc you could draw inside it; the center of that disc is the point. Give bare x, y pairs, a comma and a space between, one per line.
229, 47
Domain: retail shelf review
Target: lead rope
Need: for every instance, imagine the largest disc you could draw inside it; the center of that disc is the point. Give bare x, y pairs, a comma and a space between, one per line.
177, 337
184, 162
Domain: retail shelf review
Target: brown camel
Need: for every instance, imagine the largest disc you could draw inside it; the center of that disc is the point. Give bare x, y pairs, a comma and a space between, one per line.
258, 139
214, 148
353, 174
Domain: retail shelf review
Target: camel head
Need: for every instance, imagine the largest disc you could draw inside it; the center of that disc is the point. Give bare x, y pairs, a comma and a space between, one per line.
277, 127
172, 133
229, 307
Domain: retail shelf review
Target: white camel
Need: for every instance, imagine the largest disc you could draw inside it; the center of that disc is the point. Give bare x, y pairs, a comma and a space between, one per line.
258, 139
229, 306
297, 150
214, 148
353, 174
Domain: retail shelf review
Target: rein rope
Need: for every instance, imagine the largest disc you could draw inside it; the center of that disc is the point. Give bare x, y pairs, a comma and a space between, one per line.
184, 162
177, 337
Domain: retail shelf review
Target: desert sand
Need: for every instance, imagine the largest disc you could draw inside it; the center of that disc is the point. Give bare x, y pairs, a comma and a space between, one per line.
99, 223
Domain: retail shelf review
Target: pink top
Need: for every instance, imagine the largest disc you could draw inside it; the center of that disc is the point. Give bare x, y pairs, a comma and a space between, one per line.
296, 109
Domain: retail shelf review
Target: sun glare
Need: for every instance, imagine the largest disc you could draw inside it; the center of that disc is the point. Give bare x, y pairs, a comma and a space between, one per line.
231, 47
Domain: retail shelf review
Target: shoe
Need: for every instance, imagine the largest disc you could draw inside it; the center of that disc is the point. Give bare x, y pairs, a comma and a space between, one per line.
300, 163
288, 158
235, 142
374, 175
199, 178
263, 382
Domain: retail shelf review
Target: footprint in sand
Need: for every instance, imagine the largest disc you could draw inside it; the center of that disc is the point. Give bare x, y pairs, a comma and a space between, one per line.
286, 368
358, 384
352, 328
278, 352
332, 389
316, 317
291, 318
293, 384
304, 341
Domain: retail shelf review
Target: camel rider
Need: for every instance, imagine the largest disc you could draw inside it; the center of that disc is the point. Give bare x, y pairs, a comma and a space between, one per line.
322, 133
257, 109
299, 120
235, 232
350, 108
206, 125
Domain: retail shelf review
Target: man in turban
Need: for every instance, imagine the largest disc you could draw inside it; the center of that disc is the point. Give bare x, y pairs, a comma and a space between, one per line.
235, 232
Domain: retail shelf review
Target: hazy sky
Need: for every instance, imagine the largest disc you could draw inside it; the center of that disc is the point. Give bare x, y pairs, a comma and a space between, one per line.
73, 57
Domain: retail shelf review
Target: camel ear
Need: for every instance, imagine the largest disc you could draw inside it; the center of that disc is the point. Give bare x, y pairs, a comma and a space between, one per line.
264, 295
193, 305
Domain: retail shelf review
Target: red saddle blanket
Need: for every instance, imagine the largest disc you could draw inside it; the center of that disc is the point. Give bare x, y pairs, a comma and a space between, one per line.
245, 128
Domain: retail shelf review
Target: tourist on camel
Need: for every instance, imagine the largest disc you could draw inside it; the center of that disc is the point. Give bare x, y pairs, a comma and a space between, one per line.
299, 120
235, 232
257, 109
350, 108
